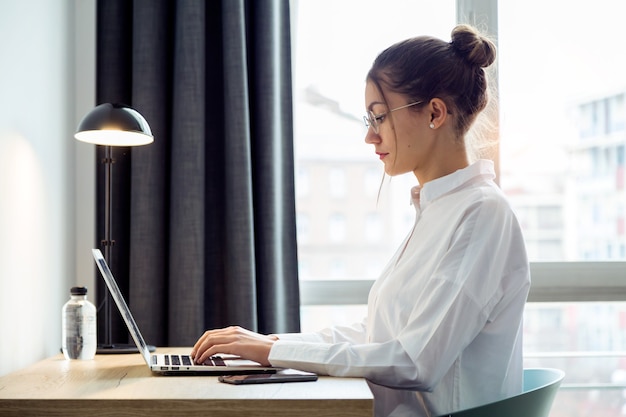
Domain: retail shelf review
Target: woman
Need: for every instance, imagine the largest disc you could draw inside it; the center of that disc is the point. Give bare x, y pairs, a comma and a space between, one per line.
444, 324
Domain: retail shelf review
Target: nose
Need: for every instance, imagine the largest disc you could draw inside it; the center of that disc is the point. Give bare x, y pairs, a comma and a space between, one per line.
372, 137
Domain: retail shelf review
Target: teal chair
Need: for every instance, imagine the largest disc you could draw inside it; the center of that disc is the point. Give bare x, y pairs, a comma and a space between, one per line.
540, 387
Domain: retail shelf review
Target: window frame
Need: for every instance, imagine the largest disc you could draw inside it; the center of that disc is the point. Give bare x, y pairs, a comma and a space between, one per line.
551, 282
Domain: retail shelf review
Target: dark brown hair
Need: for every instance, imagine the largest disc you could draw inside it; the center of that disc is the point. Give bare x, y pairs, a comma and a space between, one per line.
425, 67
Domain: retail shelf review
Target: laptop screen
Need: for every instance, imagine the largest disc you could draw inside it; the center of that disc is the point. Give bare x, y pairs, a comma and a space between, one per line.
121, 304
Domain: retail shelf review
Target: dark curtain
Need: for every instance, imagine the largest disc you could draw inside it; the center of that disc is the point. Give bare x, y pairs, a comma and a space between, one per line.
204, 217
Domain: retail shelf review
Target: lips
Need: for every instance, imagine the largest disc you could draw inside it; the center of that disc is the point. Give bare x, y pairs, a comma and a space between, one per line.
382, 155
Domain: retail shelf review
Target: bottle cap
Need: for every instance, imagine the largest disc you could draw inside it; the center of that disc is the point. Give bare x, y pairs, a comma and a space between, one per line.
78, 291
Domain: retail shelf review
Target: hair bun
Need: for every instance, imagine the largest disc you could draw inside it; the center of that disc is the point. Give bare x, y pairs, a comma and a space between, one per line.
473, 47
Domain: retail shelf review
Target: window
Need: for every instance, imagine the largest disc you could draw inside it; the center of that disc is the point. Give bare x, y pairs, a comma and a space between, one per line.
363, 221
302, 183
337, 183
337, 269
561, 161
574, 156
336, 228
373, 228
303, 227
329, 105
371, 180
616, 113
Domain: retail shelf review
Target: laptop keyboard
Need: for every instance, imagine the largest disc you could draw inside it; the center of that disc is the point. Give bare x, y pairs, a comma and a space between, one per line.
185, 360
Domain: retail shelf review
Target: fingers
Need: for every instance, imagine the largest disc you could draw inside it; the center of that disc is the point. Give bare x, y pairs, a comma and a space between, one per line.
215, 341
212, 351
214, 345
196, 348
233, 340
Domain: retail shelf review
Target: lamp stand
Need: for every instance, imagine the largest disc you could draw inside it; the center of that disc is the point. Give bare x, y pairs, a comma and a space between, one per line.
108, 347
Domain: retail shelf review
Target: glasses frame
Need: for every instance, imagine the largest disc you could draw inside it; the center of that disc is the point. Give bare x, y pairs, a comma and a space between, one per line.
372, 120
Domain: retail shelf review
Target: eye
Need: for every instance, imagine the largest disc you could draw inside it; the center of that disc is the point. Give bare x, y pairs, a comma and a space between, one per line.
380, 118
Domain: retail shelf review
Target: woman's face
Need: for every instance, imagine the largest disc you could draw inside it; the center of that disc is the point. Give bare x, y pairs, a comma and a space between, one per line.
403, 142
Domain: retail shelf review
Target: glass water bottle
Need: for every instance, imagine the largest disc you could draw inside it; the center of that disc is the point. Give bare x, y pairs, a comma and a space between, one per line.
79, 340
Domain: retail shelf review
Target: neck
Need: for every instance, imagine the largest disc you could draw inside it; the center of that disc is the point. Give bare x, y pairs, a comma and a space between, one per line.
444, 162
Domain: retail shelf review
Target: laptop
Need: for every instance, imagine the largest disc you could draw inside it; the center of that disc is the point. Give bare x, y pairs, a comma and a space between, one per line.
172, 364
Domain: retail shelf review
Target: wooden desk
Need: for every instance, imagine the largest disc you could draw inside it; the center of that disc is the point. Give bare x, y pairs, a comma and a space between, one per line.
117, 385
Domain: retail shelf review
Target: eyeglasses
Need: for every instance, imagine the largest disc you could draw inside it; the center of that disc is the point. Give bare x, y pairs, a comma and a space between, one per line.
374, 120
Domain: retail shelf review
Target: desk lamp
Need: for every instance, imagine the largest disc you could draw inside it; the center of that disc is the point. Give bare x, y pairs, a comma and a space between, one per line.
112, 125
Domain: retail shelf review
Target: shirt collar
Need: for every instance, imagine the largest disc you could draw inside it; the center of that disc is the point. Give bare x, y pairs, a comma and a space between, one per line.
482, 169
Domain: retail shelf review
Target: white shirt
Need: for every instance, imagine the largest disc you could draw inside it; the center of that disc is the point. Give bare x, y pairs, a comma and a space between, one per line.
444, 325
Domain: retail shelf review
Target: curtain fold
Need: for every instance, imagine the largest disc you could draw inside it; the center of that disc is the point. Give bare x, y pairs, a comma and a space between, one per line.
204, 217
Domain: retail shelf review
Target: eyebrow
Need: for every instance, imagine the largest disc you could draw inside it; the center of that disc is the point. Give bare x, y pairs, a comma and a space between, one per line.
373, 103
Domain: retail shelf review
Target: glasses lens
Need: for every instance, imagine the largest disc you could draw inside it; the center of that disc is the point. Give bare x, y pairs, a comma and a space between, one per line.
371, 118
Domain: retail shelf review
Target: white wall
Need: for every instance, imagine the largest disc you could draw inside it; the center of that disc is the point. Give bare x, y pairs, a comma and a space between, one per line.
46, 177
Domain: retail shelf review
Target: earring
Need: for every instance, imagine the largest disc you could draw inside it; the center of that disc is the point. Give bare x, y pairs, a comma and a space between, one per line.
431, 125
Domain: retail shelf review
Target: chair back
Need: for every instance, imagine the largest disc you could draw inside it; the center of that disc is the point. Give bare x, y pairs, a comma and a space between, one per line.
540, 387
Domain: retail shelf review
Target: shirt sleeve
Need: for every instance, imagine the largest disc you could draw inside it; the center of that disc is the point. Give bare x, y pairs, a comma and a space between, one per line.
457, 302
354, 334
378, 362
410, 361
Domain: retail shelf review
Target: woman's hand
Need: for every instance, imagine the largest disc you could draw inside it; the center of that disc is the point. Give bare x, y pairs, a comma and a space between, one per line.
236, 341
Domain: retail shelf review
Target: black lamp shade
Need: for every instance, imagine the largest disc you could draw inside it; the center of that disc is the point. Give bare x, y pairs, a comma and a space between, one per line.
114, 125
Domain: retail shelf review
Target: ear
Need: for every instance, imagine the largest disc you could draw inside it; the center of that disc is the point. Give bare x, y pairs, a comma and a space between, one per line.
438, 112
